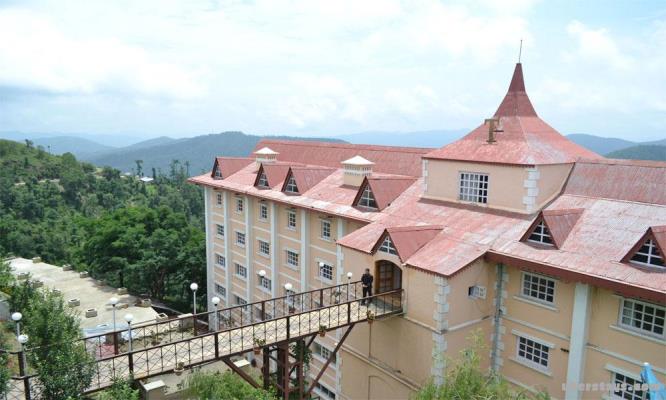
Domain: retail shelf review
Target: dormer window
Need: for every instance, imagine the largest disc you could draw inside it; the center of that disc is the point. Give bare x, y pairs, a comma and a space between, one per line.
291, 186
648, 254
473, 187
541, 235
367, 198
263, 181
218, 173
387, 246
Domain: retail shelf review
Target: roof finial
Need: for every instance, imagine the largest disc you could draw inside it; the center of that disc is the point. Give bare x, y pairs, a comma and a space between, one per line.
520, 51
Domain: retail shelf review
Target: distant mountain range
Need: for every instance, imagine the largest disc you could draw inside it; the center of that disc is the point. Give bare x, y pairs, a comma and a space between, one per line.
199, 151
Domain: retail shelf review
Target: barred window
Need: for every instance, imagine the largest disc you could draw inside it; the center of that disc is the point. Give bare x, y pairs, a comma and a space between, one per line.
533, 352
324, 392
367, 198
291, 186
241, 270
325, 229
239, 300
541, 234
474, 187
292, 258
264, 248
538, 287
263, 182
626, 388
220, 230
291, 219
265, 282
221, 290
645, 317
240, 239
326, 271
220, 260
239, 205
387, 246
323, 352
219, 199
263, 211
218, 172
648, 254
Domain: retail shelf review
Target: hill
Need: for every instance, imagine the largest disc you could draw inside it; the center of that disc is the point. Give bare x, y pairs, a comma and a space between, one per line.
196, 152
598, 144
641, 152
71, 144
432, 138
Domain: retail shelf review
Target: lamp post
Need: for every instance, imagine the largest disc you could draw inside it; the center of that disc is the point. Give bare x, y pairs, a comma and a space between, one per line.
16, 317
349, 276
288, 286
22, 339
129, 318
215, 300
194, 288
114, 302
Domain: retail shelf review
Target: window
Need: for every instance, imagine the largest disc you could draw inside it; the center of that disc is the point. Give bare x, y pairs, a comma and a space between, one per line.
263, 211
325, 229
540, 234
323, 352
626, 388
291, 186
219, 199
218, 172
533, 352
474, 187
642, 316
241, 271
291, 219
264, 248
387, 246
239, 300
265, 282
263, 182
239, 205
220, 230
292, 258
221, 290
324, 391
220, 261
648, 254
367, 198
538, 287
240, 239
326, 271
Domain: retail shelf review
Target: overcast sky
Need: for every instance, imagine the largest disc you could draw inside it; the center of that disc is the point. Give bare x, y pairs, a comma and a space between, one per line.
184, 68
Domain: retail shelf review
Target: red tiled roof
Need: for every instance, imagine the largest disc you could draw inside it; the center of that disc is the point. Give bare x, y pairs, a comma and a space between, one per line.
524, 138
230, 165
385, 189
275, 173
558, 222
659, 233
307, 177
640, 181
409, 239
387, 159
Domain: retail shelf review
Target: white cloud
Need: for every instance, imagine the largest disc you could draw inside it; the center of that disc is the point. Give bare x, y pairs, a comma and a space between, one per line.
598, 46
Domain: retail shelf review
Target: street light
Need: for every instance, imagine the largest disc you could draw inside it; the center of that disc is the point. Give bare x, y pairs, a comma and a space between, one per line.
288, 286
22, 339
349, 276
194, 288
262, 273
129, 318
16, 317
114, 302
215, 300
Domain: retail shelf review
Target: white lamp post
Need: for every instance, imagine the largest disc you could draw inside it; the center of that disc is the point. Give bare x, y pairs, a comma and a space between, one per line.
349, 276
129, 318
194, 288
288, 286
114, 302
215, 300
16, 317
22, 339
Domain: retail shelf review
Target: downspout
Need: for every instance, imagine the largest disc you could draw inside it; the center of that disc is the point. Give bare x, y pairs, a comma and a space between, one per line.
497, 319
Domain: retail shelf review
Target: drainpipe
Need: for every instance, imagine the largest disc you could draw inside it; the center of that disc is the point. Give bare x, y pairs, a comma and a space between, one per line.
497, 318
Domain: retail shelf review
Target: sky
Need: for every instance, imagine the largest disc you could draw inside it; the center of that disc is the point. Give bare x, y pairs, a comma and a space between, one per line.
310, 68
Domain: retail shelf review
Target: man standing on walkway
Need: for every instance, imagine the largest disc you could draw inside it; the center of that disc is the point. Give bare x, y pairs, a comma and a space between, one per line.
366, 281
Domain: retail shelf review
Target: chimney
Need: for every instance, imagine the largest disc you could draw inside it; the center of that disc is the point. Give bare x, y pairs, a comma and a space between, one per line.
355, 169
265, 155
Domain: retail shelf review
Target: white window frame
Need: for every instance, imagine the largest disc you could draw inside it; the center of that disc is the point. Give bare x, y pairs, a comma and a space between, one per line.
263, 212
292, 255
239, 235
240, 271
263, 248
618, 378
219, 200
239, 300
262, 181
323, 352
325, 230
217, 173
652, 253
388, 247
291, 213
530, 363
221, 290
323, 394
291, 186
542, 232
218, 228
320, 270
368, 199
642, 331
540, 279
470, 188
264, 283
240, 205
219, 257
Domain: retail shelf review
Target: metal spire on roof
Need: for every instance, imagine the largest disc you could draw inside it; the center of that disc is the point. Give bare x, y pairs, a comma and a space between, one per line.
520, 51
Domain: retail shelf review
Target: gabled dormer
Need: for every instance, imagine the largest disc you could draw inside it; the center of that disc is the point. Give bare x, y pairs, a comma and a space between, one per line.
365, 198
217, 171
262, 180
404, 241
378, 192
552, 227
300, 179
649, 250
290, 185
227, 166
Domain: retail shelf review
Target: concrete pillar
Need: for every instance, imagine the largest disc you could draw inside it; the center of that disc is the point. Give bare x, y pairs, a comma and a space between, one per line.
578, 342
227, 252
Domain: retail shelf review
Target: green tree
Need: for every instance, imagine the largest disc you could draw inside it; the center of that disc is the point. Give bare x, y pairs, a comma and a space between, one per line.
120, 390
224, 386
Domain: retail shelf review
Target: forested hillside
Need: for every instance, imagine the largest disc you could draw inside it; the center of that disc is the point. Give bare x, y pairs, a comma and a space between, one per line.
642, 152
147, 237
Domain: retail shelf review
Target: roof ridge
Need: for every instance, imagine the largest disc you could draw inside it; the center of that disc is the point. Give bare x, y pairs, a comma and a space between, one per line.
405, 149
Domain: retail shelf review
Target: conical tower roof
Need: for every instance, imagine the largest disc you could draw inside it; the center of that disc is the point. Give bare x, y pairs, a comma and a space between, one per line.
520, 136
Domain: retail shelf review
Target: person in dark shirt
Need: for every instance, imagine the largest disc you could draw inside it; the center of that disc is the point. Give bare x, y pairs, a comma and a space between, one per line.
366, 281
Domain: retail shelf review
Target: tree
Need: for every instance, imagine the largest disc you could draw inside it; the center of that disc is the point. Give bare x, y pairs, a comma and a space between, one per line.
120, 390
139, 167
224, 386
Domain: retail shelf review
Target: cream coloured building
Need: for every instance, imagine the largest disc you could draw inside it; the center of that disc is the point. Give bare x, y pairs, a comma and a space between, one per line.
554, 253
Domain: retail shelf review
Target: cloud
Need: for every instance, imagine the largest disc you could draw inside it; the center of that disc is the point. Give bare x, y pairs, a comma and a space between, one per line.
598, 46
